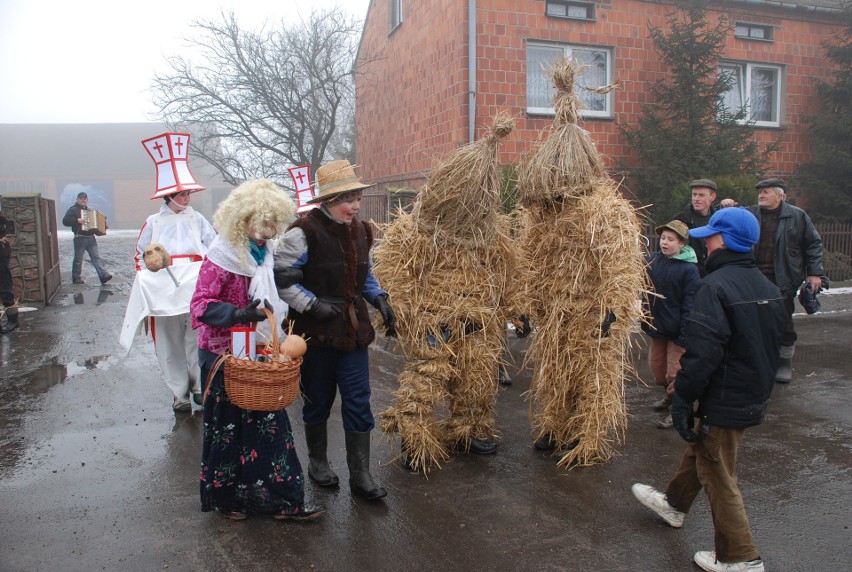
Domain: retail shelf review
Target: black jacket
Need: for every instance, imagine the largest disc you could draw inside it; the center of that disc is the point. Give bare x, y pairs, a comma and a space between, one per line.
5, 249
798, 248
692, 219
676, 280
732, 338
71, 217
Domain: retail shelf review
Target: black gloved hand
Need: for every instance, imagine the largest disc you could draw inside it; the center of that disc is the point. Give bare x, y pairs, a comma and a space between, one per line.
525, 328
608, 321
286, 277
388, 316
250, 313
323, 311
683, 418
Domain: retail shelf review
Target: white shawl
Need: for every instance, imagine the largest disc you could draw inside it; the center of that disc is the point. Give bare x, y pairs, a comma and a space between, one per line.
262, 285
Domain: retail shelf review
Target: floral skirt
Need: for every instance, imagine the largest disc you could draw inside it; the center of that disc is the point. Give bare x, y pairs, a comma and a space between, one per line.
248, 461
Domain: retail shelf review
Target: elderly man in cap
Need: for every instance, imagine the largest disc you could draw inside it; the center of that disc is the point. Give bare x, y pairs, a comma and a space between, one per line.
789, 253
84, 241
697, 213
732, 338
327, 254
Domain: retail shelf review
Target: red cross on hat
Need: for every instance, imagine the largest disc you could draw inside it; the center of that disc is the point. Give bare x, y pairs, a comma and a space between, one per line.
170, 154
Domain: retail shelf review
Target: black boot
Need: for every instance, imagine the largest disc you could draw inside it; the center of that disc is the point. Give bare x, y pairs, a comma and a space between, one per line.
361, 483
318, 468
12, 320
504, 376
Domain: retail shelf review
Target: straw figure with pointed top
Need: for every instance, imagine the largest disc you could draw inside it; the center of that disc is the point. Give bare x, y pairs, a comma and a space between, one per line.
582, 240
449, 264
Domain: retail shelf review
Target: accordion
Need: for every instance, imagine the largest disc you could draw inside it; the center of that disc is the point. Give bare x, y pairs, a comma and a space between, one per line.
94, 223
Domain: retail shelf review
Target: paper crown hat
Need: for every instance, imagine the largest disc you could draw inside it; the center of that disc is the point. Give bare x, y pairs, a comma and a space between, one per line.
170, 154
304, 190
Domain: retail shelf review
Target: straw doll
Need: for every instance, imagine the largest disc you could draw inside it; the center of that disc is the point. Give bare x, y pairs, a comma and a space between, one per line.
449, 265
582, 242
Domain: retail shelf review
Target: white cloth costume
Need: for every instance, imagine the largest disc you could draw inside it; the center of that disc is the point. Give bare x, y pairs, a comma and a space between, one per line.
186, 236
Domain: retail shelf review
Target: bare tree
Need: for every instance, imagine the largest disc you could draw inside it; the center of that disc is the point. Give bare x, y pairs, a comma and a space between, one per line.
258, 102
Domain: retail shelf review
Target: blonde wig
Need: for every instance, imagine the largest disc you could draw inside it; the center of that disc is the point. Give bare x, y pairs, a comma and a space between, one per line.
258, 206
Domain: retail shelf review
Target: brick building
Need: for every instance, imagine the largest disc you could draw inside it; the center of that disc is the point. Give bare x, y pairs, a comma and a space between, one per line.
431, 74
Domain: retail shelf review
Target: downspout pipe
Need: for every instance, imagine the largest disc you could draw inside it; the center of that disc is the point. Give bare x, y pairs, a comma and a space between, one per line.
471, 67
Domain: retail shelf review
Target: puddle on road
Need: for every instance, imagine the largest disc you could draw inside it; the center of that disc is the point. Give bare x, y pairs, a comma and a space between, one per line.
20, 395
88, 297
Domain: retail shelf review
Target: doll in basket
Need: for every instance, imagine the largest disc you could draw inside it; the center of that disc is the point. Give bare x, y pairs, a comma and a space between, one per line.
248, 462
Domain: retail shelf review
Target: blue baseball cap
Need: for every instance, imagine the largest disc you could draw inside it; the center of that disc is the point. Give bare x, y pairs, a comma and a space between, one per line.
738, 226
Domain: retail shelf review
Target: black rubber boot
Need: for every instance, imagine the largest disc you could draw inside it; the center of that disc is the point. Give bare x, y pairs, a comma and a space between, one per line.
504, 376
318, 468
361, 483
12, 321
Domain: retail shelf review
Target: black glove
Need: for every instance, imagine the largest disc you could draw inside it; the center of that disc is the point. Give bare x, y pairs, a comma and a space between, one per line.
388, 316
286, 277
683, 418
525, 329
608, 321
250, 313
323, 311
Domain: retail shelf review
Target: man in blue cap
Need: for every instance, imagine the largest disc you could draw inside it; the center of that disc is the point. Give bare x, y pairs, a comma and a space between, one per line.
732, 337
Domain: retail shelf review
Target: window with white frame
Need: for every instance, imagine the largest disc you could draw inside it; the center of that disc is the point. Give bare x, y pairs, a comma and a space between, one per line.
595, 70
395, 10
755, 87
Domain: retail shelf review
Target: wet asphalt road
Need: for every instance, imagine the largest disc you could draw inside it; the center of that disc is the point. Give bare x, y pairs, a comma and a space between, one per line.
97, 473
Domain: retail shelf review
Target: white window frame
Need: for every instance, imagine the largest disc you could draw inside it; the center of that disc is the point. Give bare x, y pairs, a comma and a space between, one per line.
395, 13
567, 50
747, 70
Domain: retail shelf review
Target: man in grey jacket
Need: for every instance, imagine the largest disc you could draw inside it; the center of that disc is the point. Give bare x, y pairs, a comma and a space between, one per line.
789, 252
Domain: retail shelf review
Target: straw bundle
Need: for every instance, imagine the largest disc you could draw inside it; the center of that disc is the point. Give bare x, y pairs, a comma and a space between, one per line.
449, 283
459, 200
582, 240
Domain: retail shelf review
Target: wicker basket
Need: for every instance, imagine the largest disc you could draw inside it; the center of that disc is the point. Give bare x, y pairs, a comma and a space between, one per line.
262, 386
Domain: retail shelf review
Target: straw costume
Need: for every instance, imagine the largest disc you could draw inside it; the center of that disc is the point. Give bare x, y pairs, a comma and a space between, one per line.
449, 265
582, 242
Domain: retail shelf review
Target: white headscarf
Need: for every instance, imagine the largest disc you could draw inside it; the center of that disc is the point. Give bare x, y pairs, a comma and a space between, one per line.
262, 285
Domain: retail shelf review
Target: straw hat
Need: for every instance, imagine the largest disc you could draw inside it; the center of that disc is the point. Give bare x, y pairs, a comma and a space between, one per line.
336, 178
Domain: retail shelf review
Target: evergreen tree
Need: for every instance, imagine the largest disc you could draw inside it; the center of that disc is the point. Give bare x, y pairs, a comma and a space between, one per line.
687, 133
828, 177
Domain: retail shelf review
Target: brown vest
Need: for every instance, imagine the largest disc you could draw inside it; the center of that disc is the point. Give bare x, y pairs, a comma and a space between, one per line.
338, 261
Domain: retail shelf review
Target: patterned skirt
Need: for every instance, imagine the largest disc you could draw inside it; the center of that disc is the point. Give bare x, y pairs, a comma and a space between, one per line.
248, 461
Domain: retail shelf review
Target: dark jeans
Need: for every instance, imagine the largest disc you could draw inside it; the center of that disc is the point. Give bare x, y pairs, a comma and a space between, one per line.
323, 372
83, 244
711, 464
7, 295
788, 338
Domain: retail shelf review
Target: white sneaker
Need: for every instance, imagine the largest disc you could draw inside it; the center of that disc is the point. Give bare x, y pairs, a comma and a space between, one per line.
656, 501
706, 559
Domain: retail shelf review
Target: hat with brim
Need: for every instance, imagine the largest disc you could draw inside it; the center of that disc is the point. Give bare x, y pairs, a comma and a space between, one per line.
737, 225
677, 227
334, 179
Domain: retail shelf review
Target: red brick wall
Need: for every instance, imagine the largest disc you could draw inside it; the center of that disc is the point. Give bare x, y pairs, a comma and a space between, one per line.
412, 101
